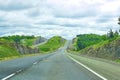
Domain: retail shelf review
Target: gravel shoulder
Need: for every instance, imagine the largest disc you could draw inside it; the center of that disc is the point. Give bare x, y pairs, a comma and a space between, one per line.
107, 69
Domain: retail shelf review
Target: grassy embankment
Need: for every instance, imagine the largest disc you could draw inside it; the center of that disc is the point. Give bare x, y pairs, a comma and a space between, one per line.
52, 44
97, 46
23, 40
28, 42
8, 50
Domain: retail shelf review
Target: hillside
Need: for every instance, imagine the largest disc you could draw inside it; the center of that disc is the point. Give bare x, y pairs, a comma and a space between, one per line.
52, 44
18, 45
39, 40
106, 49
84, 40
7, 50
16, 38
97, 46
24, 40
33, 41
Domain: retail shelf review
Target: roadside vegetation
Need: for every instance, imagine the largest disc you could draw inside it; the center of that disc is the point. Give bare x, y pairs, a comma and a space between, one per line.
7, 50
24, 40
52, 44
103, 46
86, 40
16, 45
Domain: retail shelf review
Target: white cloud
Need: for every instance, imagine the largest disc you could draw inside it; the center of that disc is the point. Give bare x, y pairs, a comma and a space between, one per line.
66, 18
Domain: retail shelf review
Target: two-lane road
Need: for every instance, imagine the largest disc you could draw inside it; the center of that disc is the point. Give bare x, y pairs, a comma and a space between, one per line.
12, 66
54, 67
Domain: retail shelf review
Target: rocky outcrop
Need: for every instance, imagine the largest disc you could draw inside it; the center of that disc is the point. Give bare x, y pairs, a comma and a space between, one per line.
40, 40
25, 49
110, 50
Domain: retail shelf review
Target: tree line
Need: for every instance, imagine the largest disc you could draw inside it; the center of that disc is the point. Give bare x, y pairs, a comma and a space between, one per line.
85, 40
17, 38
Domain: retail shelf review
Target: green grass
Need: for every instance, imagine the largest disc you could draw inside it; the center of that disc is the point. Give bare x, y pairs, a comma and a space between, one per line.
85, 40
24, 40
102, 43
98, 45
6, 50
117, 61
28, 42
105, 49
75, 44
52, 44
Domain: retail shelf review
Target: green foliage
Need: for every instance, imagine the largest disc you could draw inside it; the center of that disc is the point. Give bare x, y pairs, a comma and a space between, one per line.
6, 44
28, 42
52, 44
6, 50
116, 34
24, 40
16, 38
102, 43
104, 37
119, 20
86, 40
110, 34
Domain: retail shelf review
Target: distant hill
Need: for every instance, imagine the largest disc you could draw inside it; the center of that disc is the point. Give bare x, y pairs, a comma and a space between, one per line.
39, 40
52, 44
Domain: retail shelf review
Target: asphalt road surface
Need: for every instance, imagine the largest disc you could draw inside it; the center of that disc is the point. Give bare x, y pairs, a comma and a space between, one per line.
54, 66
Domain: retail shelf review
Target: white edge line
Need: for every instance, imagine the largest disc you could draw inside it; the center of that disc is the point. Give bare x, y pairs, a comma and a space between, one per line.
18, 71
11, 75
35, 63
8, 76
88, 68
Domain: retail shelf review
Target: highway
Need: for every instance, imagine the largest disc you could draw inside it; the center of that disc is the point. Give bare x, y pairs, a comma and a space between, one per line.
12, 66
54, 66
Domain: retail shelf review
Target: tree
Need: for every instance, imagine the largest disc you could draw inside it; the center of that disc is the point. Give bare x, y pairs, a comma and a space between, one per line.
119, 20
116, 33
110, 34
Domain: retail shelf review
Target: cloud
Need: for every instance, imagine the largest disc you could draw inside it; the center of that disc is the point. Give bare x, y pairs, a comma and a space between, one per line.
66, 18
73, 9
11, 5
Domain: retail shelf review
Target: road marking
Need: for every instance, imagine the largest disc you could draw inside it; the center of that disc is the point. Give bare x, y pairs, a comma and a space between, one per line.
11, 75
18, 71
35, 63
8, 76
87, 68
46, 60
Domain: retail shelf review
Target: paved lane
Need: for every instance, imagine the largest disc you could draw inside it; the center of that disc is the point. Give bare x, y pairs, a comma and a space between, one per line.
11, 66
56, 67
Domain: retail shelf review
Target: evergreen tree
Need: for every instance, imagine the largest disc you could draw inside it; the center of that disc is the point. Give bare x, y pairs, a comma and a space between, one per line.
116, 33
110, 34
119, 20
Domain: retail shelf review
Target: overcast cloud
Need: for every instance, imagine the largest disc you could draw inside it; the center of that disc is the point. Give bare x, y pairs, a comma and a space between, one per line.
66, 18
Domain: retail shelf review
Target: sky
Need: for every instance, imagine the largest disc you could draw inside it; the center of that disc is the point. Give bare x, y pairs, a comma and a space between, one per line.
66, 18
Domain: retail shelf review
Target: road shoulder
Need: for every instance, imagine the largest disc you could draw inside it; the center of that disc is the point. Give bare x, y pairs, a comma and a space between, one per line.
108, 70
